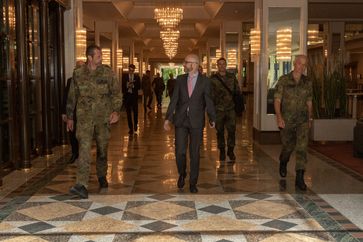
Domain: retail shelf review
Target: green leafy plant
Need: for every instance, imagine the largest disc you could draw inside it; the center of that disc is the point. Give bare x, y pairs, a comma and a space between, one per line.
329, 89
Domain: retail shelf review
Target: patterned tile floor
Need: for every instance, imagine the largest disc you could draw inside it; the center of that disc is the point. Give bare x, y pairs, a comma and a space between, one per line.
240, 201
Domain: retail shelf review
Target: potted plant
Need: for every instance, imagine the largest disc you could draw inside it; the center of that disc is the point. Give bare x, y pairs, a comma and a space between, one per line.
331, 121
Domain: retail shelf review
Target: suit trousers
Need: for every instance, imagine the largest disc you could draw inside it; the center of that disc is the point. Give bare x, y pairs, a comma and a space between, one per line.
184, 134
131, 106
147, 100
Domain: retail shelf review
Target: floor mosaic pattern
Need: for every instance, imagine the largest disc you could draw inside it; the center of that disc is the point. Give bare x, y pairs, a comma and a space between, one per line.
159, 213
243, 200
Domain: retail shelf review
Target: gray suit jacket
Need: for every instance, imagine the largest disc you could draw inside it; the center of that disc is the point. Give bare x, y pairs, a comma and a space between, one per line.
197, 103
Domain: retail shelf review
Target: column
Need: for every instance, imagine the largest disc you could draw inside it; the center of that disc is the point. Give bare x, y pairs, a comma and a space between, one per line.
208, 59
132, 52
115, 39
69, 40
222, 40
45, 83
61, 70
23, 84
141, 67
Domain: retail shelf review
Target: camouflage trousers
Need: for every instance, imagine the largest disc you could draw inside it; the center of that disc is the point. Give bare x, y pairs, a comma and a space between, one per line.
226, 119
295, 137
85, 132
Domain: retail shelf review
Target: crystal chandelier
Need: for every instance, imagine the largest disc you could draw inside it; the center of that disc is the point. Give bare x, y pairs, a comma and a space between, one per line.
168, 19
169, 35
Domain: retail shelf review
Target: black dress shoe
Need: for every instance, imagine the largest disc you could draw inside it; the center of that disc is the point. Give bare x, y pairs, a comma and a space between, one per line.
181, 181
283, 169
231, 154
73, 159
79, 190
222, 154
193, 188
103, 182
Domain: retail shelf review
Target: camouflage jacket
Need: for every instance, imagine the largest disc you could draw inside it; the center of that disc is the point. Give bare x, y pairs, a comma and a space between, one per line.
294, 97
221, 97
96, 93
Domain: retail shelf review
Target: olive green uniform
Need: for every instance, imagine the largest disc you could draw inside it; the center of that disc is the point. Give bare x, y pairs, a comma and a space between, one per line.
224, 106
294, 110
97, 94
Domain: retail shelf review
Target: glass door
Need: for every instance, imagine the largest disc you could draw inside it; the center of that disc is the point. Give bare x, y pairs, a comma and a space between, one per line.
7, 74
35, 95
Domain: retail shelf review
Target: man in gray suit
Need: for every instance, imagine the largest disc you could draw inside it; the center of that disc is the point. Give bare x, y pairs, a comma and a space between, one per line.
187, 112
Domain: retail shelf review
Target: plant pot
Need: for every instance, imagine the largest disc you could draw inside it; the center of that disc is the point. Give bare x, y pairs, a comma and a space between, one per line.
332, 129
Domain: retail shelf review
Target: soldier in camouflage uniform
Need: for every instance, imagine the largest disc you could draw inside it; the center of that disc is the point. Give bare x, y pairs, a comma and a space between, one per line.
224, 106
96, 92
293, 107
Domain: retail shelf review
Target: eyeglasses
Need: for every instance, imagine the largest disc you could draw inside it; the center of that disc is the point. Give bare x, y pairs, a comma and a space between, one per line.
191, 62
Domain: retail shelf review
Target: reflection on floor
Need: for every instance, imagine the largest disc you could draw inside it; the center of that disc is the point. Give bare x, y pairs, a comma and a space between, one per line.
239, 201
343, 153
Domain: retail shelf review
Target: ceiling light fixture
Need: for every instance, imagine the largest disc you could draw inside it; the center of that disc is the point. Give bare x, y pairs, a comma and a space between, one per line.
168, 18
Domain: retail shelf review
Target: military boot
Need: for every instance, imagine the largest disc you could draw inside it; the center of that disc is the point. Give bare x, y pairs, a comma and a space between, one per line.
79, 190
103, 182
222, 154
283, 168
299, 181
231, 154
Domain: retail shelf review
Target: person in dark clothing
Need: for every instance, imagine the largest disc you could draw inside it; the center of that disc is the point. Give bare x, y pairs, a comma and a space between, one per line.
72, 134
190, 101
159, 87
147, 90
170, 85
130, 87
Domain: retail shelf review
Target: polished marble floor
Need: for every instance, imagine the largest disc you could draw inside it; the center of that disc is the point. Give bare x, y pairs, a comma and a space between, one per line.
243, 200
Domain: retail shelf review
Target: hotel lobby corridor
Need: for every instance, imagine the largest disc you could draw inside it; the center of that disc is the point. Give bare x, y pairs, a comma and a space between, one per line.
240, 201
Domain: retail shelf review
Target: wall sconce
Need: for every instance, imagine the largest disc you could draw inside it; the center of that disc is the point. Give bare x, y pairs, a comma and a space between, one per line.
204, 62
143, 67
255, 40
10, 17
283, 44
213, 62
313, 34
137, 64
125, 63
81, 44
231, 59
119, 58
106, 56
